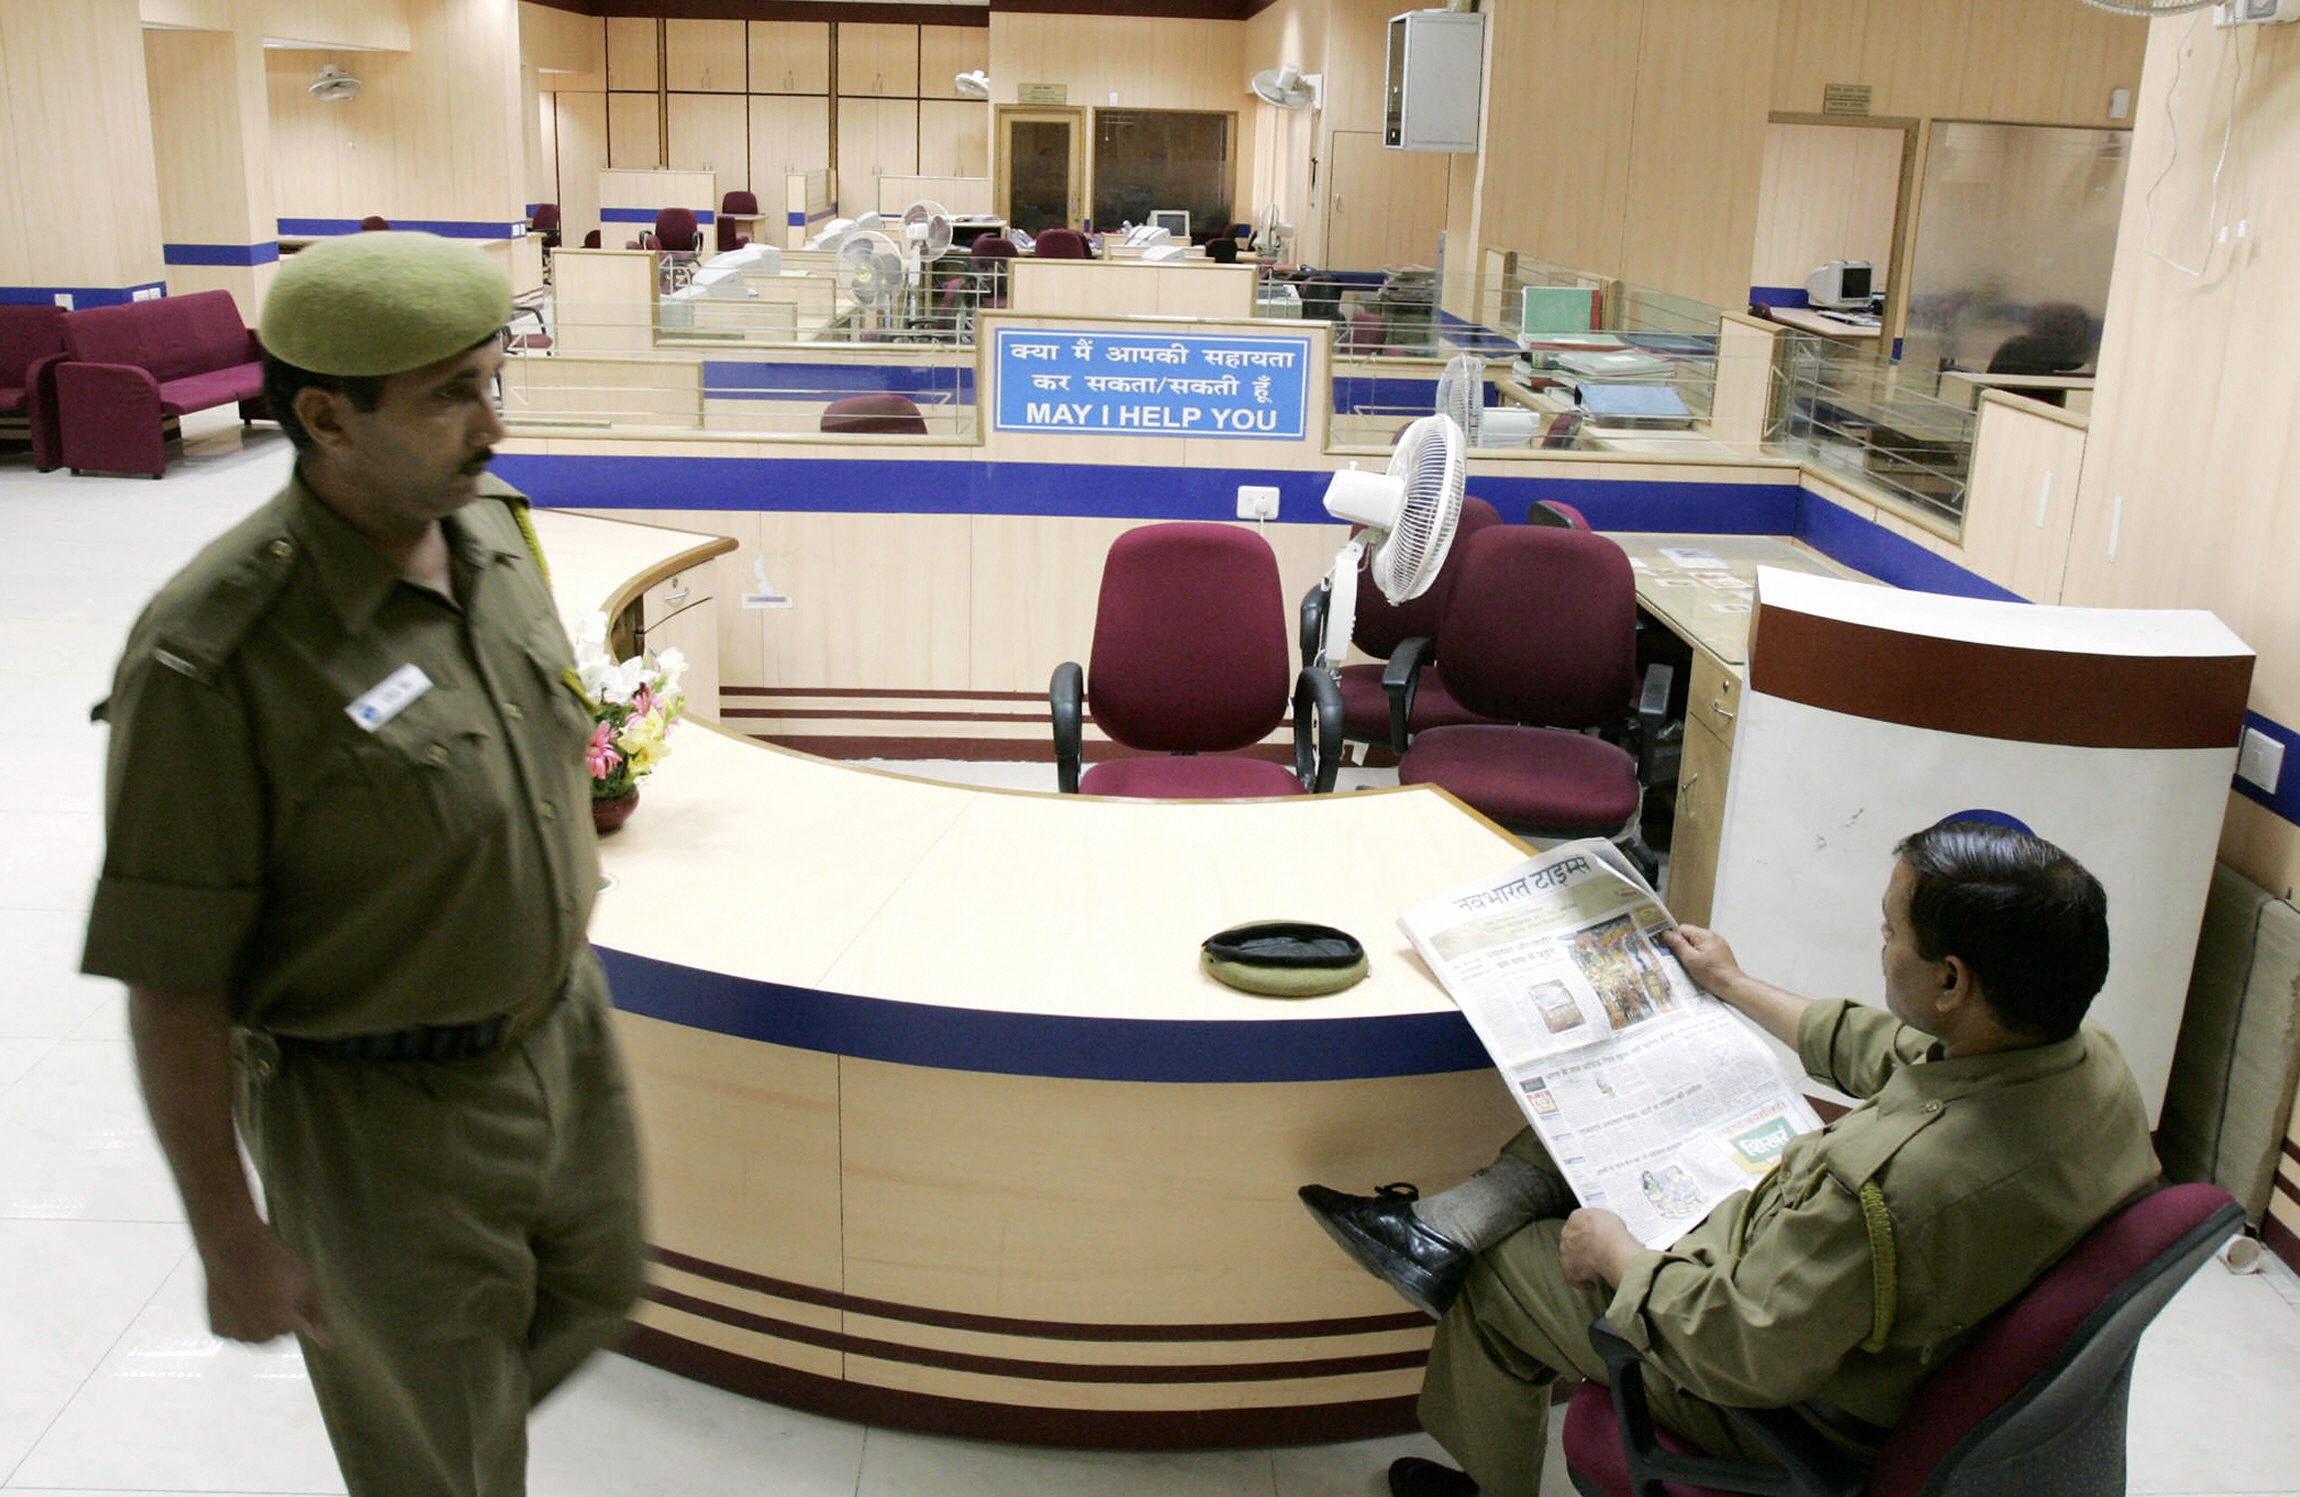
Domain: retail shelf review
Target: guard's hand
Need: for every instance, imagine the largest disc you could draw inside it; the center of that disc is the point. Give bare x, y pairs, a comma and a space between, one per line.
259, 1291
1708, 960
1595, 1247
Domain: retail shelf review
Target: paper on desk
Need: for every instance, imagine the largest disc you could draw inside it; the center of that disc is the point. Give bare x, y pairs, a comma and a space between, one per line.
1694, 559
1655, 1099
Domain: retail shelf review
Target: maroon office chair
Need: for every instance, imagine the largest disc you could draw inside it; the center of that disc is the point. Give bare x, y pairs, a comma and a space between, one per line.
884, 414
988, 262
1540, 635
744, 203
1061, 244
373, 222
1365, 332
546, 224
1406, 694
1189, 666
1557, 514
2035, 1401
591, 240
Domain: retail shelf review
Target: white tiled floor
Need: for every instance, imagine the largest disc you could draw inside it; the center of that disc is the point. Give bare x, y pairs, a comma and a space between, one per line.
110, 1383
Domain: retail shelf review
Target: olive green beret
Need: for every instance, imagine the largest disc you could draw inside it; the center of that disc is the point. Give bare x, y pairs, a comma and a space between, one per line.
383, 303
1284, 959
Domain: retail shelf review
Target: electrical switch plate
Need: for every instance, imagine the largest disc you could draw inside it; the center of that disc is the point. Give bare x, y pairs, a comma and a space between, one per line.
2260, 761
1257, 501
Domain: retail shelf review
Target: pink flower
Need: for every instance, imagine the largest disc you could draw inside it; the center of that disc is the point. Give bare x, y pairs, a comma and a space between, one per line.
642, 702
601, 754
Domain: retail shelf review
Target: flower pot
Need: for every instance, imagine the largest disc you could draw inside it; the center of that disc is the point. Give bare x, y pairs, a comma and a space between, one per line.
607, 815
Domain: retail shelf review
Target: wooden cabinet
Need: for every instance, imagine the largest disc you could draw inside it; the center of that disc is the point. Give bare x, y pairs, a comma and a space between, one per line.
953, 138
703, 57
634, 130
878, 61
631, 53
1692, 883
710, 133
790, 57
877, 138
790, 134
944, 52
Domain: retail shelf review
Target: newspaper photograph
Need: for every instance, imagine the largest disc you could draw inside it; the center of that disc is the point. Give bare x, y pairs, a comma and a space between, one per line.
1655, 1099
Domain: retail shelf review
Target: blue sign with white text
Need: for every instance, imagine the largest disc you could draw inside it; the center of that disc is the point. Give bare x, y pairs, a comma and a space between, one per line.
1152, 385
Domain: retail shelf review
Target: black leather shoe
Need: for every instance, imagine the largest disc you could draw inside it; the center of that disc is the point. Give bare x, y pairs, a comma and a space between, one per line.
1411, 1476
1388, 1241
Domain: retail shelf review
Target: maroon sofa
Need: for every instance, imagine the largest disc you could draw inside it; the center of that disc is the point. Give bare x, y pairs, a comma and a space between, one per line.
128, 370
29, 336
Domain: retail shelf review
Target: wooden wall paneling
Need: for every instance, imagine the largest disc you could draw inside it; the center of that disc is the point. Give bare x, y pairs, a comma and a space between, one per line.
945, 52
2022, 495
1697, 146
633, 54
376, 25
568, 48
877, 60
1744, 394
318, 170
788, 134
605, 298
456, 139
877, 601
1535, 131
634, 130
708, 57
790, 57
954, 139
1057, 565
1816, 43
2101, 54
194, 107
192, 15
72, 80
1384, 207
1913, 53
711, 133
1149, 62
543, 148
875, 136
1357, 42
1826, 192
581, 134
2002, 80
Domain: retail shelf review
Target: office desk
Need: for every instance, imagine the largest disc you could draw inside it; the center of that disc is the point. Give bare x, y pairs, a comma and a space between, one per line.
1806, 320
1714, 620
945, 1127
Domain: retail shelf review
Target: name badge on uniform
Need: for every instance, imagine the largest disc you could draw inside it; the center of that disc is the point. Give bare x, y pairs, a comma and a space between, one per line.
389, 697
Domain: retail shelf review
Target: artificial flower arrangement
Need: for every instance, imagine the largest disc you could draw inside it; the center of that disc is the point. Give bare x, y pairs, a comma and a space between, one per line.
634, 702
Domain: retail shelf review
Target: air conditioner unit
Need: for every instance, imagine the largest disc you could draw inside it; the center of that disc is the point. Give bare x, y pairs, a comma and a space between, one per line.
1436, 67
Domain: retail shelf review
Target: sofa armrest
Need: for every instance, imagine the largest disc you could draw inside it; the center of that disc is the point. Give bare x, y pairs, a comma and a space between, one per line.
111, 418
40, 412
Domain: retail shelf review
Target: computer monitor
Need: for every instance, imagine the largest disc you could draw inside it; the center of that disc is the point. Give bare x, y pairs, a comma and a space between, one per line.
1175, 221
1841, 285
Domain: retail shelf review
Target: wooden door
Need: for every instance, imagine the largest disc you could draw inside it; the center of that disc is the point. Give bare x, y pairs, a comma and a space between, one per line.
1383, 207
1040, 176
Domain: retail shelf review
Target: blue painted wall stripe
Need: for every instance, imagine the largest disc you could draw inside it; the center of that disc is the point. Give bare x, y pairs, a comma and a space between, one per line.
82, 296
446, 228
798, 219
1866, 546
221, 254
965, 1039
2284, 800
731, 379
646, 215
1779, 296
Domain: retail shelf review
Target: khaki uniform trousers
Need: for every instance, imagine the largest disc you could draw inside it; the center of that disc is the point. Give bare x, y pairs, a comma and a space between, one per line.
474, 1229
1516, 1328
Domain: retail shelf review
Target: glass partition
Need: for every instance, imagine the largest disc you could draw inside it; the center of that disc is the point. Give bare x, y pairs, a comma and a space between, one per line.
1874, 424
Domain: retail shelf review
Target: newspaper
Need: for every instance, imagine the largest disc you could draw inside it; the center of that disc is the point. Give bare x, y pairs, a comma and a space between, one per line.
1655, 1099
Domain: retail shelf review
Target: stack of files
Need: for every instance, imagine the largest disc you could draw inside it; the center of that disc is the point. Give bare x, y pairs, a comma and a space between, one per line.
1621, 366
1636, 407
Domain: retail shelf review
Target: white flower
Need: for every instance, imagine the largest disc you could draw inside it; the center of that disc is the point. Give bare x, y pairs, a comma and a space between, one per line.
620, 683
673, 664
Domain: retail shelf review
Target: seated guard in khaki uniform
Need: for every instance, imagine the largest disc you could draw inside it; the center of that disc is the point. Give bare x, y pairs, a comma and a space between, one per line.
350, 849
1995, 1129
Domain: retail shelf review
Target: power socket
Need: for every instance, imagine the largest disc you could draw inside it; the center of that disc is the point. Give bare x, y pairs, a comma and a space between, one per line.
2260, 760
1257, 501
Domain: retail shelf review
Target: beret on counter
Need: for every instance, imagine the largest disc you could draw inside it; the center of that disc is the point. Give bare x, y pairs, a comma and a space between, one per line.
383, 303
1284, 958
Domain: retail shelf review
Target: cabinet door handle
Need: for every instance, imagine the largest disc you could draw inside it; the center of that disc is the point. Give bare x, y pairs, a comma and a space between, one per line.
1691, 780
1719, 708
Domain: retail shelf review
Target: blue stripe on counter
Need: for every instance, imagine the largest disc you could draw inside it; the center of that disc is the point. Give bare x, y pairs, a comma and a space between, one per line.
1867, 546
446, 228
1367, 392
646, 215
82, 296
730, 379
1474, 337
1779, 296
220, 254
965, 1039
2284, 799
798, 220
1093, 490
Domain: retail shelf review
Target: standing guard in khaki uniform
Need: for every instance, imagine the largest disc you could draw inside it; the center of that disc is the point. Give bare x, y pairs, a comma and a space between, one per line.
1995, 1130
349, 870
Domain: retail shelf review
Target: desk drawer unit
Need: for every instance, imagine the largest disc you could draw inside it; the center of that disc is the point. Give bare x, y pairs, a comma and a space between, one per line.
1713, 699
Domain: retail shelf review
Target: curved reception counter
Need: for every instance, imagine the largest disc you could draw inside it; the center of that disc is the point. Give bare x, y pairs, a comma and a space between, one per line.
946, 1129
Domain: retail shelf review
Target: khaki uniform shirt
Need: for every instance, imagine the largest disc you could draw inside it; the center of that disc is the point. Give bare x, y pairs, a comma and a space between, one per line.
1981, 1170
327, 879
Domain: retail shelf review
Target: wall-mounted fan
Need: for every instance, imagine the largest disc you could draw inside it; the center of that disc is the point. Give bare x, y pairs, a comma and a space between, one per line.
1289, 87
972, 85
334, 85
1408, 514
